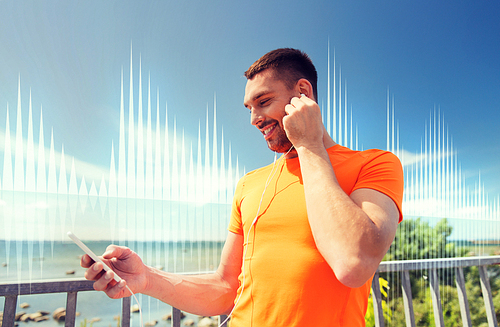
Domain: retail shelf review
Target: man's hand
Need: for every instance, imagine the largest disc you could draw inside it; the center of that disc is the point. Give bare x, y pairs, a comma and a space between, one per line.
125, 263
303, 124
205, 294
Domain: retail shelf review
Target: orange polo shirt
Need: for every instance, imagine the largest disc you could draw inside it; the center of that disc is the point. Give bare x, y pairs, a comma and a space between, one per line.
286, 281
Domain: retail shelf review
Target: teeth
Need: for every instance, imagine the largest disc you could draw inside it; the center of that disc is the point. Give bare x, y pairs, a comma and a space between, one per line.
267, 130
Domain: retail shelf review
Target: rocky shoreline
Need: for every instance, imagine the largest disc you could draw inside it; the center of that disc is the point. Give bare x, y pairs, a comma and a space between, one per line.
59, 315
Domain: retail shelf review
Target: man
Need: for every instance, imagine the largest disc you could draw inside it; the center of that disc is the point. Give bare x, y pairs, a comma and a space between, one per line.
306, 233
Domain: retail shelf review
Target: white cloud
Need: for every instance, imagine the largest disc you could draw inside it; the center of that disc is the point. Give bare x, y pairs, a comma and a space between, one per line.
90, 171
410, 158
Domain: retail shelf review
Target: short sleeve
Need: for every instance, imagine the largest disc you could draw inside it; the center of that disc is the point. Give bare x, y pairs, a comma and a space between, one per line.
383, 173
235, 222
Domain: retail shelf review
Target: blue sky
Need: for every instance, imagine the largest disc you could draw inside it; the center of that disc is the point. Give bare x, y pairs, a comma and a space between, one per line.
441, 54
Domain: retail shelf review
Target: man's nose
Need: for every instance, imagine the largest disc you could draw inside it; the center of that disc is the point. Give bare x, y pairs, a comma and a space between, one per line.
256, 117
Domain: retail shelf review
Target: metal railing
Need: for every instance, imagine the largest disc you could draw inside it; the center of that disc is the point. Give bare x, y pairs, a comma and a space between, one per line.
72, 287
433, 266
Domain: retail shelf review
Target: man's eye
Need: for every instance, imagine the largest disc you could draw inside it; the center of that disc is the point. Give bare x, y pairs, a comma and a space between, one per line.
264, 102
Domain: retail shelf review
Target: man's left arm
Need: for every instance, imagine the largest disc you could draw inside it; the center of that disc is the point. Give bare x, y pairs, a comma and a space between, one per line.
354, 232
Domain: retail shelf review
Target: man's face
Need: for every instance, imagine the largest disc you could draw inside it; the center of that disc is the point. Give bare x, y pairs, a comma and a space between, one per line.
266, 98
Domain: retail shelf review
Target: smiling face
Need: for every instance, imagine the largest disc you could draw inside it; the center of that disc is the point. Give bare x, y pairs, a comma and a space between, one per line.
266, 98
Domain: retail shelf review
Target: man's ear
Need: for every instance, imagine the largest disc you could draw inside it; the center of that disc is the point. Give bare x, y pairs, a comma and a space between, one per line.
303, 86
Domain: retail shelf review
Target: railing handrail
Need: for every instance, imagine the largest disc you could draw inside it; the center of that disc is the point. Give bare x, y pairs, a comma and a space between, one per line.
440, 263
46, 286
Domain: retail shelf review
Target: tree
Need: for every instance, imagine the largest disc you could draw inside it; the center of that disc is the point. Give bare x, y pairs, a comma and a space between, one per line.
417, 239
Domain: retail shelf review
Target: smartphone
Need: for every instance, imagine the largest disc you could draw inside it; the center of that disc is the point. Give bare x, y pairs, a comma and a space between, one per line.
91, 254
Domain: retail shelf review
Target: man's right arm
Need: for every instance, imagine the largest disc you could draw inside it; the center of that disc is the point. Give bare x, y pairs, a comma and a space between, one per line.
208, 294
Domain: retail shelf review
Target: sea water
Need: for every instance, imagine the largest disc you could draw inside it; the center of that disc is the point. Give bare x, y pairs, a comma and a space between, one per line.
30, 261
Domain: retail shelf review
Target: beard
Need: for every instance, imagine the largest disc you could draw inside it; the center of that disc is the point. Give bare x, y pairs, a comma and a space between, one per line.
279, 143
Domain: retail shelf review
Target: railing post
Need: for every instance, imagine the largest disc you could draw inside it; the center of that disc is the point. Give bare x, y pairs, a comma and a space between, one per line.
462, 297
69, 320
407, 298
488, 300
222, 320
176, 317
378, 311
436, 298
126, 311
9, 311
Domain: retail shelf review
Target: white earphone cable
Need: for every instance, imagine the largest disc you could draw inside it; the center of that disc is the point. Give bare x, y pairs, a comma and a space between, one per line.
138, 304
268, 181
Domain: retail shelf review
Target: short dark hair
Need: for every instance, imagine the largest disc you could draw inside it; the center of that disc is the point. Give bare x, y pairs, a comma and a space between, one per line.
288, 65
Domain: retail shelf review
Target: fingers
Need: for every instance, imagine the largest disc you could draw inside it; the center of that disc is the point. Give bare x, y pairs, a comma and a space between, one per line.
117, 290
302, 100
114, 251
297, 104
86, 261
94, 271
108, 285
302, 122
105, 281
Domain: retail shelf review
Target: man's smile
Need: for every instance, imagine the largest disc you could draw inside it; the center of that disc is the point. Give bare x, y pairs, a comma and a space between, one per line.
267, 130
